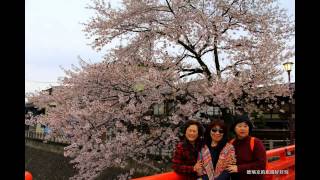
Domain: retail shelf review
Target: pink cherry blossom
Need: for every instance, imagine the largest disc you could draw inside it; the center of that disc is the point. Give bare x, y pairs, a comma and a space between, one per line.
197, 54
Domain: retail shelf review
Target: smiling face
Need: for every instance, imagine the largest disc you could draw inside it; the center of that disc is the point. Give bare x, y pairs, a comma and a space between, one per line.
216, 133
192, 133
242, 130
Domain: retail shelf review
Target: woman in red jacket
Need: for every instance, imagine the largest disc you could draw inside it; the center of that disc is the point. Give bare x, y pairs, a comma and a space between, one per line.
250, 152
185, 156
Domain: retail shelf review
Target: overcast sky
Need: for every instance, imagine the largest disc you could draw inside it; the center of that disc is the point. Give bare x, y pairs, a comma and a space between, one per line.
54, 38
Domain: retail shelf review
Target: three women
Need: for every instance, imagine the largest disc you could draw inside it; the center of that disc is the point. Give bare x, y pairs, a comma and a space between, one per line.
215, 157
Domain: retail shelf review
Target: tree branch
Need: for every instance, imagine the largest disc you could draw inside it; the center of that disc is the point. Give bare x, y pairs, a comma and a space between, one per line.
209, 50
188, 74
197, 41
229, 25
185, 36
170, 7
183, 56
198, 58
216, 60
224, 13
205, 45
233, 65
215, 52
191, 49
193, 71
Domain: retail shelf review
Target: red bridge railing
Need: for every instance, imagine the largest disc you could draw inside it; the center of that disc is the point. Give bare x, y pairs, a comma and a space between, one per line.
280, 166
284, 167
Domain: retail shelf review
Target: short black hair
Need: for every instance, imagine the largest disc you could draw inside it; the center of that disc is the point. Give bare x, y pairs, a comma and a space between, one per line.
240, 119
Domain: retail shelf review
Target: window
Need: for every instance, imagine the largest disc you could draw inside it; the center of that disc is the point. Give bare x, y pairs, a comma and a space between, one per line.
158, 109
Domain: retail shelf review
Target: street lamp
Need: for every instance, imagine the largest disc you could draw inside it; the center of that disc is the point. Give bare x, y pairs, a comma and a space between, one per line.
288, 67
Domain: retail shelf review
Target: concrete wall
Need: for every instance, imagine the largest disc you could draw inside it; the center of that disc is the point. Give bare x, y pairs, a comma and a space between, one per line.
48, 147
46, 161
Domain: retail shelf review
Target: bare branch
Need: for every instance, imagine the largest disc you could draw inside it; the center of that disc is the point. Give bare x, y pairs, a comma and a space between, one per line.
171, 10
198, 41
224, 13
188, 74
193, 70
190, 49
209, 50
233, 65
229, 25
198, 58
205, 45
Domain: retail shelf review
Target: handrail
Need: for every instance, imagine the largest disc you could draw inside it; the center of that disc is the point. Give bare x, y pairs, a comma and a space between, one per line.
42, 136
285, 162
284, 167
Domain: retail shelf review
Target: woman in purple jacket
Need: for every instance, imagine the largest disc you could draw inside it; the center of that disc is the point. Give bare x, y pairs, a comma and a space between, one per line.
250, 152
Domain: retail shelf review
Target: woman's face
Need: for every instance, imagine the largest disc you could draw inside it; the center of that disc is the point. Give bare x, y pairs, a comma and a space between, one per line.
242, 130
216, 133
192, 133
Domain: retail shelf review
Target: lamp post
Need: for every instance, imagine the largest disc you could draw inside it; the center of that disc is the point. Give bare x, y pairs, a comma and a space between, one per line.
288, 67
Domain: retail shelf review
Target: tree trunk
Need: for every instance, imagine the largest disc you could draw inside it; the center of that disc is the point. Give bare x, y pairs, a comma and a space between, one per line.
216, 59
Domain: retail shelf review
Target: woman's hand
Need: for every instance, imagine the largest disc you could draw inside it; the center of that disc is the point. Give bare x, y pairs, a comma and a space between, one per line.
232, 168
198, 167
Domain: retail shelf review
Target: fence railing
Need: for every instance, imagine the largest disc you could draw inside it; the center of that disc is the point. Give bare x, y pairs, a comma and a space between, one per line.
281, 159
273, 144
42, 136
269, 144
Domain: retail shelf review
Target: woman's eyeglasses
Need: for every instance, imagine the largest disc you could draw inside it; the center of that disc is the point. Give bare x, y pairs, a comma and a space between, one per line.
213, 130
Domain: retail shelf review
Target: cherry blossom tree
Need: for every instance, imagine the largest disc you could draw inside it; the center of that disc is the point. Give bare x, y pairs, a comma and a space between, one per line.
195, 53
